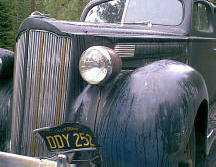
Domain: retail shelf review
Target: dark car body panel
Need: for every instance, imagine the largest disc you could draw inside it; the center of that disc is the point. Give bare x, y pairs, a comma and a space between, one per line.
144, 116
109, 35
133, 117
6, 84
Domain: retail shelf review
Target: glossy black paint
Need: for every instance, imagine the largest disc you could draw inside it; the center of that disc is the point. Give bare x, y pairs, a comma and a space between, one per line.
5, 113
6, 63
144, 117
6, 72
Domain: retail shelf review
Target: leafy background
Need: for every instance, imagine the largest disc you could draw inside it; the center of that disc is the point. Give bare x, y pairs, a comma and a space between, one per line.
13, 12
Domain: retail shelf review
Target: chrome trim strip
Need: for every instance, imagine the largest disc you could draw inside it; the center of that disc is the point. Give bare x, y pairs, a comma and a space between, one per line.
17, 89
60, 80
124, 13
38, 80
125, 50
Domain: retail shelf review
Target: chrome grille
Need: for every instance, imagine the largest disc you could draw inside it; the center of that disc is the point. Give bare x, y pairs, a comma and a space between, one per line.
125, 50
17, 90
41, 88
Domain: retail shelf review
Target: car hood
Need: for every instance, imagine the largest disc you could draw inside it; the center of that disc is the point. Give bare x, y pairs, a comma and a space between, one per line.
105, 29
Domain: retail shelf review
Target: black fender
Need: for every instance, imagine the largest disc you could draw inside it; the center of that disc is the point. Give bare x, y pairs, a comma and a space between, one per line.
6, 87
143, 118
6, 90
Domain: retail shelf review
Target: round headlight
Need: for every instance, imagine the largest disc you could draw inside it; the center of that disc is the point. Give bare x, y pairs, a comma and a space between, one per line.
98, 64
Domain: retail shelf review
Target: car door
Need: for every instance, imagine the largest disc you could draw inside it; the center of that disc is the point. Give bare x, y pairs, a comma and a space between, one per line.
203, 44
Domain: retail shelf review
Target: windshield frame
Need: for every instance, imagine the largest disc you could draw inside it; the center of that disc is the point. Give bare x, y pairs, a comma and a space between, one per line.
124, 12
95, 3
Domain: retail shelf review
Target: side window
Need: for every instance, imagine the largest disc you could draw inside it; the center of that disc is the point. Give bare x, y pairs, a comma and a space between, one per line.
200, 17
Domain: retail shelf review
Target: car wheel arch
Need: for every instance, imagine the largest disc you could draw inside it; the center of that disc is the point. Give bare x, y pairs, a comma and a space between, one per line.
201, 130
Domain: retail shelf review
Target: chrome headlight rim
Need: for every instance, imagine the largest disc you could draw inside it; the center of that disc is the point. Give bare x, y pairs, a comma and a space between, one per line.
111, 61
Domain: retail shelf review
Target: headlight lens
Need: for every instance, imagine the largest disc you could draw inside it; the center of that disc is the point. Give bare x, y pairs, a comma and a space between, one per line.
98, 63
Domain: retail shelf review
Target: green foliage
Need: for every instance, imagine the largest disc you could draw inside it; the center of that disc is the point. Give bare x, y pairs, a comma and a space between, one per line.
22, 10
6, 28
13, 12
213, 1
65, 9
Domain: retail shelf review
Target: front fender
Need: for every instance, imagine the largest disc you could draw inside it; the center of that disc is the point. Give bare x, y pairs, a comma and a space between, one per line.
145, 118
6, 84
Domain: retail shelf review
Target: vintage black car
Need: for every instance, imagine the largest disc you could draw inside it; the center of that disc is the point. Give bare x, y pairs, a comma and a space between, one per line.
132, 84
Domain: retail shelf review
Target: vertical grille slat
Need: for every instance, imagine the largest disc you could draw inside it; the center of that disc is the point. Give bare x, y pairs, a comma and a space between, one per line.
18, 87
48, 71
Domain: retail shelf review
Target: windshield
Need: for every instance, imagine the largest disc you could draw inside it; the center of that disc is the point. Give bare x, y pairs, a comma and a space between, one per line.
166, 12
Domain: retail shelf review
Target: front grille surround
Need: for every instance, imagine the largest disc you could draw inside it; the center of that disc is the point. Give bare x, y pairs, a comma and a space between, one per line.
44, 66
